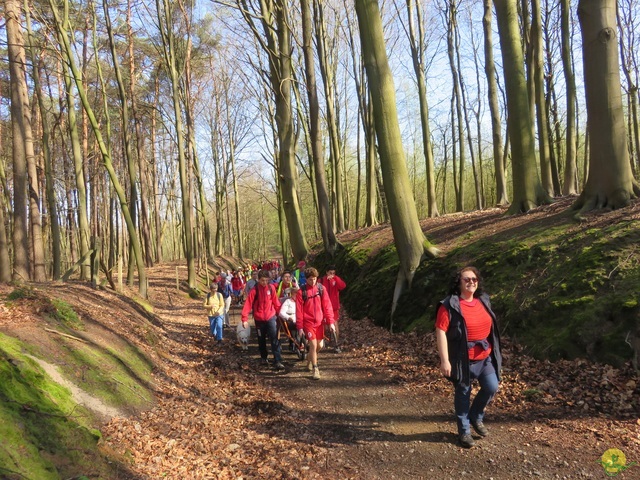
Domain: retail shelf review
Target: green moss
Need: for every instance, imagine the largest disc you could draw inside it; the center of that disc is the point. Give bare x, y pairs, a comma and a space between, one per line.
144, 304
561, 292
64, 313
44, 433
23, 292
573, 301
118, 375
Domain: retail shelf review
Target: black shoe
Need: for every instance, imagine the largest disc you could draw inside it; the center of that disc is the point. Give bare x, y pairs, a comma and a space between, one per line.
219, 342
279, 366
480, 428
264, 361
466, 440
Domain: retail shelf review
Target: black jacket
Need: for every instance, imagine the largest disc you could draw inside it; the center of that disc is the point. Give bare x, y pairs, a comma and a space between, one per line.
457, 339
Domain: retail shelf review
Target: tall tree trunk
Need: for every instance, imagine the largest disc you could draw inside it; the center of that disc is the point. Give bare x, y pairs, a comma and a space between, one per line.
165, 22
414, 13
145, 227
478, 172
527, 190
317, 151
104, 151
494, 107
79, 177
126, 138
56, 240
411, 243
451, 9
20, 122
628, 62
540, 101
371, 211
610, 183
365, 111
5, 261
154, 173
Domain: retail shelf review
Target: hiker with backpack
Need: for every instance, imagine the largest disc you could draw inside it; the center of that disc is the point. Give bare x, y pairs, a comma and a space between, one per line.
214, 304
224, 287
333, 285
262, 299
237, 287
468, 343
313, 306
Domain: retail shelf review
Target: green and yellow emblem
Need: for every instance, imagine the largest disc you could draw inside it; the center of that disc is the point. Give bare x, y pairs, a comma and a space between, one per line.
614, 461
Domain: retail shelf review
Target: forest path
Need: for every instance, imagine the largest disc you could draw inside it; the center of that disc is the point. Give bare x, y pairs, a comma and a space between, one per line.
380, 411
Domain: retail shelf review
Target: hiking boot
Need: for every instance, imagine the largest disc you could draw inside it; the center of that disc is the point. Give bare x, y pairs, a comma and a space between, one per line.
466, 440
338, 350
316, 373
219, 343
480, 428
279, 366
310, 366
264, 361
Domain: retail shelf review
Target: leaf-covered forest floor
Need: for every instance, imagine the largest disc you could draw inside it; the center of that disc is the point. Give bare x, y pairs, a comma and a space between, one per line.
380, 411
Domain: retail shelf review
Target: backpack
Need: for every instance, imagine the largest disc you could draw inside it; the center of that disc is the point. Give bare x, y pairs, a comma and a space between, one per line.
304, 292
224, 287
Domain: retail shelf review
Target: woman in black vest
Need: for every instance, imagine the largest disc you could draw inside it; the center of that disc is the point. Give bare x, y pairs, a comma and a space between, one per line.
469, 349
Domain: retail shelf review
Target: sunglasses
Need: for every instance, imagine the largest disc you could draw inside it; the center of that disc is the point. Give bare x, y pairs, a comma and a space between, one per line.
470, 280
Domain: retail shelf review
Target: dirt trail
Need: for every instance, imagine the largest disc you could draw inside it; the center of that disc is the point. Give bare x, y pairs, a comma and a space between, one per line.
380, 411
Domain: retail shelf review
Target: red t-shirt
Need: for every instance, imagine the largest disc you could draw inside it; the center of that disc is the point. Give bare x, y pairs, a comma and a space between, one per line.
478, 322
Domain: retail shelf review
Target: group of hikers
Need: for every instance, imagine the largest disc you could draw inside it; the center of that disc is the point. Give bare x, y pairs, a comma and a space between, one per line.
467, 335
280, 300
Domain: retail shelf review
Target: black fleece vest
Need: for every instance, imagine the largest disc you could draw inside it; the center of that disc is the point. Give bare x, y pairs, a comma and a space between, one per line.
457, 339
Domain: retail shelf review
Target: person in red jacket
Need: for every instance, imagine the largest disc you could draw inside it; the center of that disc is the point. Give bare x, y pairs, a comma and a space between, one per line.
333, 285
237, 287
312, 307
263, 301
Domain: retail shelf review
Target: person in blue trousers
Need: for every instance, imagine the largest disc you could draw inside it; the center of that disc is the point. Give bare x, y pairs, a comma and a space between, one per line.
469, 348
215, 306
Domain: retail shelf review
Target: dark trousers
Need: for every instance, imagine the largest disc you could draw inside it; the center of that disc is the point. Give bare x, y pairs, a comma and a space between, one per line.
269, 329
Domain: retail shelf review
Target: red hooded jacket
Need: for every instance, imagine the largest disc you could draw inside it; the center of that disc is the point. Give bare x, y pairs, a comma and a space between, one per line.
310, 313
267, 305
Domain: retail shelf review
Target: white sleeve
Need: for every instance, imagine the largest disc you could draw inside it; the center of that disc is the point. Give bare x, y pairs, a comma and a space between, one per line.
284, 310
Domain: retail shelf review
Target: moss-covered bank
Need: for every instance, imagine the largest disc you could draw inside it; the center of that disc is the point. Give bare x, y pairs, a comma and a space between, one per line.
49, 428
561, 290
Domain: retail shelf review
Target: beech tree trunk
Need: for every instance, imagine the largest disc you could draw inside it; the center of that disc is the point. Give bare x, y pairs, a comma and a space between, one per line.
527, 190
329, 240
20, 122
494, 107
418, 47
411, 243
610, 183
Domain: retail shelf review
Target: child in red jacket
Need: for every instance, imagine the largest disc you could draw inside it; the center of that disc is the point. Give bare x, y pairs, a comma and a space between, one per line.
333, 285
312, 307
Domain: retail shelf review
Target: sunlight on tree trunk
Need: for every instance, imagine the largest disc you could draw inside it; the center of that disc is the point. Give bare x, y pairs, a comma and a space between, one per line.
411, 243
527, 190
317, 152
610, 184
